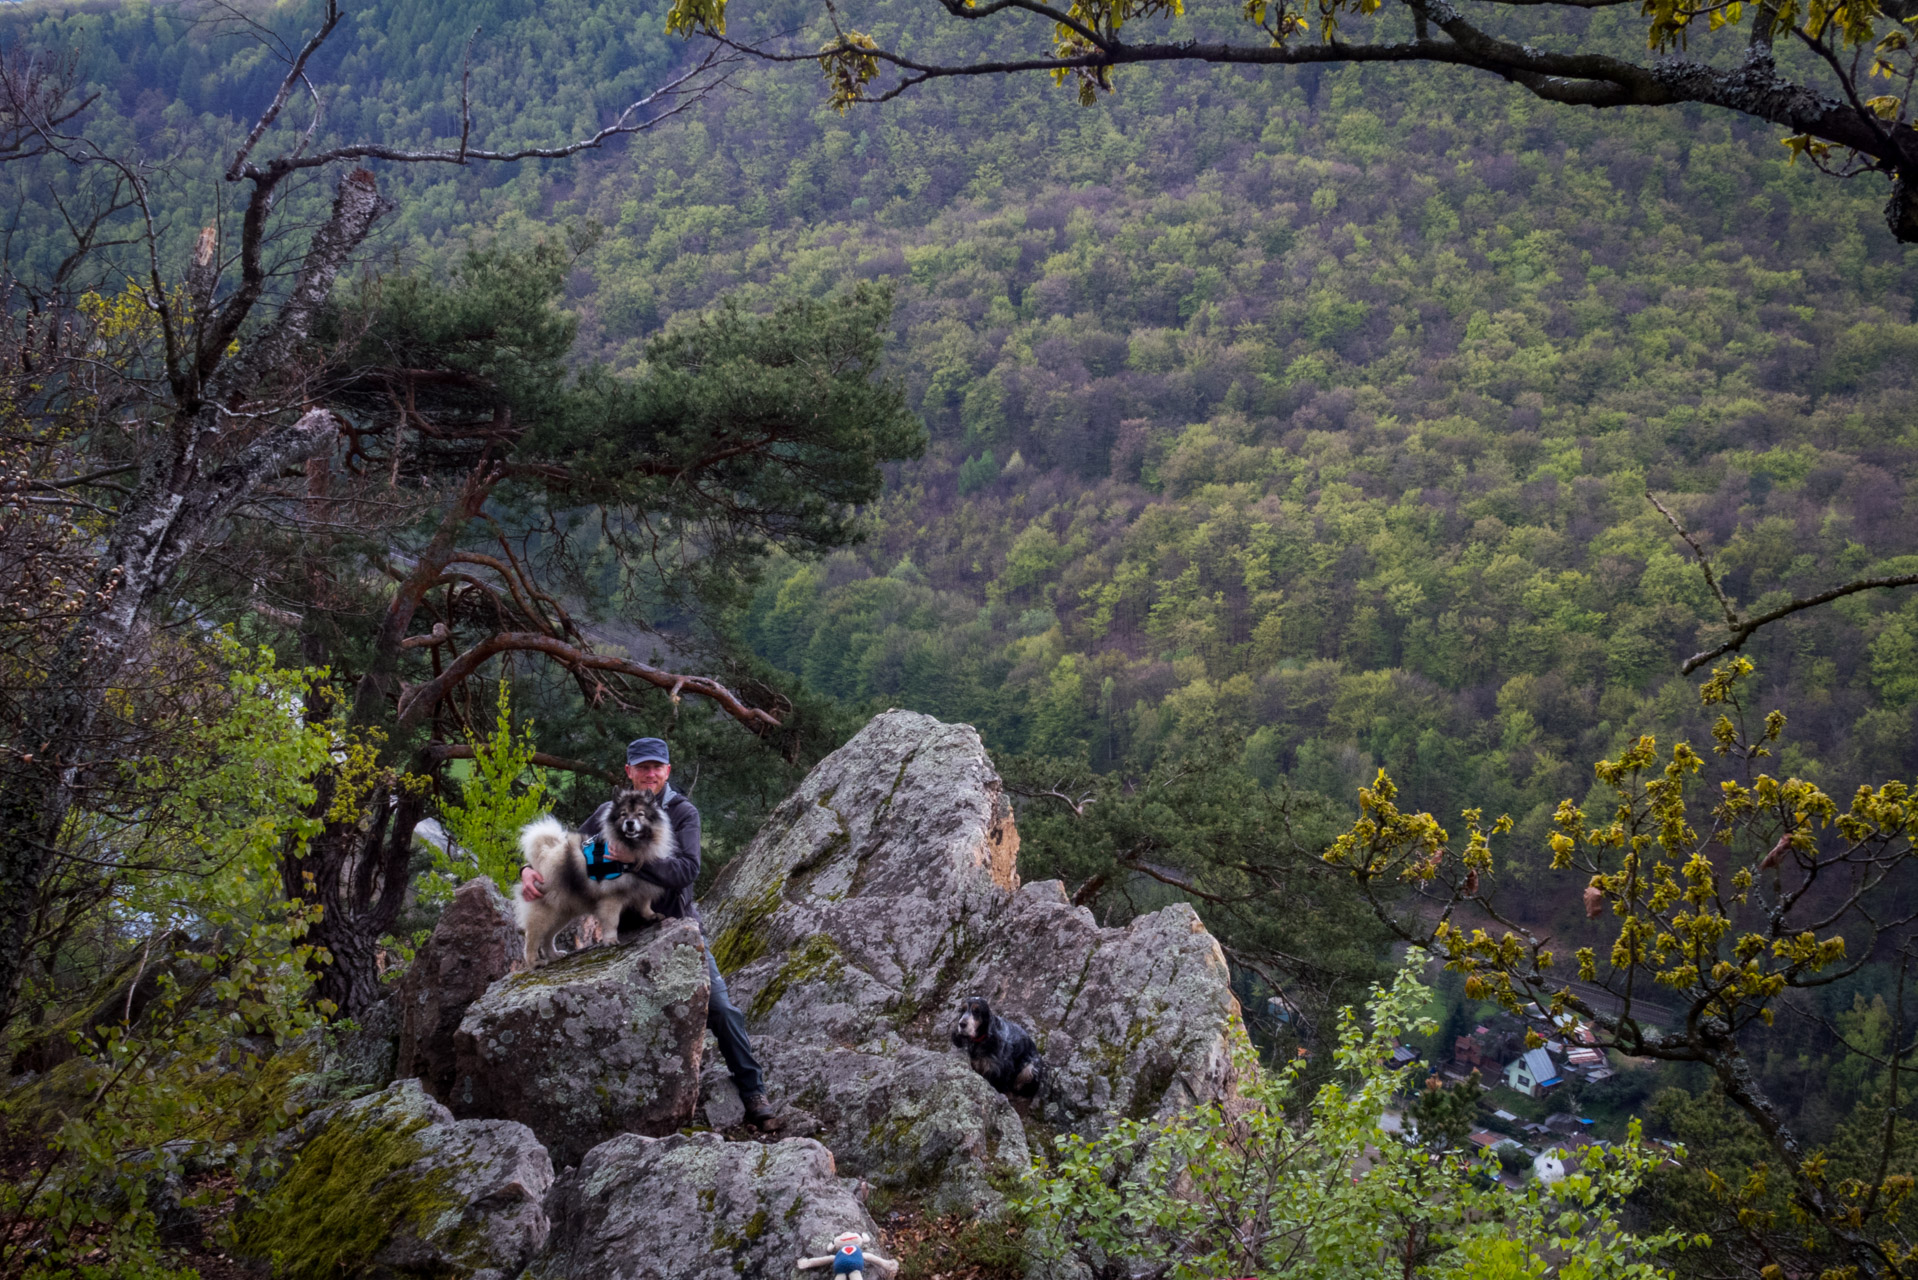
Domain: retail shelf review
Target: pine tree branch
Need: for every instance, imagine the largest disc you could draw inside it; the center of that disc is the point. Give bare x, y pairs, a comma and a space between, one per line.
438, 751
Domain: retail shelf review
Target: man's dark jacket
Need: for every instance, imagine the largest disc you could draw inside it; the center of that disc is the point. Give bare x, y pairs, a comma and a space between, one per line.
676, 873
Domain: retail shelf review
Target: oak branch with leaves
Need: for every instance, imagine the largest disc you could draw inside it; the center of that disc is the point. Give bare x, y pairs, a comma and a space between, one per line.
1841, 87
1722, 911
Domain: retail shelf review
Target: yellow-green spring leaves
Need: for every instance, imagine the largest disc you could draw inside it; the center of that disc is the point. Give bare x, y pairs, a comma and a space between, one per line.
690, 17
849, 67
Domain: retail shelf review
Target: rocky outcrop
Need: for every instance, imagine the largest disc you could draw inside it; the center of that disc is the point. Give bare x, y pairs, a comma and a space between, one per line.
392, 1184
603, 1042
884, 890
1138, 1021
473, 946
696, 1207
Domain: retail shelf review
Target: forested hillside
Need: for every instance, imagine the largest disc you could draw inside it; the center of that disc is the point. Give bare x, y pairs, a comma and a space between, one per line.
1310, 410
1317, 413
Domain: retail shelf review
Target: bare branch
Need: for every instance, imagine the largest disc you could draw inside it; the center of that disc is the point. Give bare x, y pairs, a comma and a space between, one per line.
91, 478
1704, 561
466, 102
630, 121
1752, 87
36, 98
1077, 805
462, 751
1742, 631
295, 73
1741, 627
418, 699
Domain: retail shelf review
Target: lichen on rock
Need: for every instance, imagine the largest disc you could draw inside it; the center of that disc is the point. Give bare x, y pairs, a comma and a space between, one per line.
885, 889
696, 1207
474, 944
605, 1041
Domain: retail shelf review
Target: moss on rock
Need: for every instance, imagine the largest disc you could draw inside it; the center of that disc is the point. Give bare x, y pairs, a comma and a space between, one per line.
359, 1180
819, 958
740, 943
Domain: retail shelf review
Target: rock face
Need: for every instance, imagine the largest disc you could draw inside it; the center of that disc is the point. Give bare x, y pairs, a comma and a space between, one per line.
883, 891
876, 897
391, 1184
602, 1042
363, 1058
908, 1119
696, 1207
473, 946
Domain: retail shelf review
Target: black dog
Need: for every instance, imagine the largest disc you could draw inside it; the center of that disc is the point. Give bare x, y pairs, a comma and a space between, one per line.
1001, 1051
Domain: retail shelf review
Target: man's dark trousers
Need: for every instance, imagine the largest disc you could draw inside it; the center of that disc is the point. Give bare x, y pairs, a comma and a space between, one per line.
728, 1026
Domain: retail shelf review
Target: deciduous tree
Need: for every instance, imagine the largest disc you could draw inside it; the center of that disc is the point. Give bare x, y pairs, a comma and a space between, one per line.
1841, 85
215, 395
1724, 904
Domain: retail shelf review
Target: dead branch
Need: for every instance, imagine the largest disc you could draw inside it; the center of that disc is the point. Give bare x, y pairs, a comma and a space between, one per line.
1078, 805
1742, 627
416, 700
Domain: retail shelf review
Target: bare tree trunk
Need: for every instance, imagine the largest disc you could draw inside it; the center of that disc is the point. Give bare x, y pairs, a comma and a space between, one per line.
356, 870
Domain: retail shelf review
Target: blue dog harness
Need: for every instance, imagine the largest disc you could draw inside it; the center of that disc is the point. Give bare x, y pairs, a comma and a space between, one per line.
849, 1259
599, 866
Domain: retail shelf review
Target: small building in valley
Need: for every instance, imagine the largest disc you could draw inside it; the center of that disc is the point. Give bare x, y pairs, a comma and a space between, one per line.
1531, 1073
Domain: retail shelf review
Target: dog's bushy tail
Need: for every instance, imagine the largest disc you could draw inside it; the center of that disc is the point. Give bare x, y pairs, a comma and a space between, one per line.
537, 841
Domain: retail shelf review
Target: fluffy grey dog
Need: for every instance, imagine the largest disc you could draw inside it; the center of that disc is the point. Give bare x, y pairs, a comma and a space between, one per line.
599, 879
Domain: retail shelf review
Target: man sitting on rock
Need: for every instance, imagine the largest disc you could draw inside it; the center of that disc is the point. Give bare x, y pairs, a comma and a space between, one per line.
648, 766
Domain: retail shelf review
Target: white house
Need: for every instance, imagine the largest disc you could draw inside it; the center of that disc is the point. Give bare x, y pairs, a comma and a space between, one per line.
1531, 1074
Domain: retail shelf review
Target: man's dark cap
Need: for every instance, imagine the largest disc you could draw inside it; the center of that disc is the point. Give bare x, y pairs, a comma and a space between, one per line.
640, 750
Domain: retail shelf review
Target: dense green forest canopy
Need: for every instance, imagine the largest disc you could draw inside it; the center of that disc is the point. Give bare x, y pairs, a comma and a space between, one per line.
1310, 411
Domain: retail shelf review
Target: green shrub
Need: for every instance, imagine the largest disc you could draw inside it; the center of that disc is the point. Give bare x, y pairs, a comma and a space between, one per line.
1284, 1183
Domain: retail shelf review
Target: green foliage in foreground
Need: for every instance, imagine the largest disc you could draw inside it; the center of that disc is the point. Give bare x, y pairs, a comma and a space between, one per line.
503, 794
1289, 1183
173, 1054
1715, 902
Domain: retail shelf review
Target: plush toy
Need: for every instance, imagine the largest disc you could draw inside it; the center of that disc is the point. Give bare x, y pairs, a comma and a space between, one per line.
849, 1258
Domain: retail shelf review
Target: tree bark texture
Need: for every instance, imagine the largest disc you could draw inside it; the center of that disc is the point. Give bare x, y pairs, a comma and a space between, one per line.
356, 872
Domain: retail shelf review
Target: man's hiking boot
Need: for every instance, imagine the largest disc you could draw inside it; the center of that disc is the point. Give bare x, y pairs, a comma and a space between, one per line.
759, 1112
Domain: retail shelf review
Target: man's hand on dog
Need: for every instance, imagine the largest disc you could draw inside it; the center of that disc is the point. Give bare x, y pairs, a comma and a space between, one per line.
532, 885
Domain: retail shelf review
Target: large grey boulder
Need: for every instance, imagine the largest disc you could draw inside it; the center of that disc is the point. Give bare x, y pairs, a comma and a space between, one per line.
602, 1042
392, 1185
886, 889
696, 1207
910, 1120
474, 945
